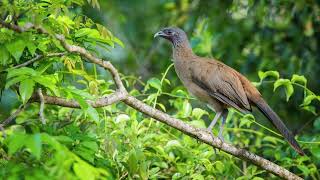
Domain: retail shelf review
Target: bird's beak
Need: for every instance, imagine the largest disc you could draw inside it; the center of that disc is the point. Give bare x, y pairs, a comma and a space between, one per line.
160, 33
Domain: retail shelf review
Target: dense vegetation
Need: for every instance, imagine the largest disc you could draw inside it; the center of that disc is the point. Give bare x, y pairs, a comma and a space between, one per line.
276, 45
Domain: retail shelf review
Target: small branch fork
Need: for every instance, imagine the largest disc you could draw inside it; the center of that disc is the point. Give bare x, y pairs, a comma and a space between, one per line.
121, 94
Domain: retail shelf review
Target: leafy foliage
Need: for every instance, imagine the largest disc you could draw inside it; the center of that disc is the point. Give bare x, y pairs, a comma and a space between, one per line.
117, 142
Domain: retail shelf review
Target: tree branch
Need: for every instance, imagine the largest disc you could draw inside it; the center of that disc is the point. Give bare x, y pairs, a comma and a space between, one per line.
122, 95
205, 137
84, 53
100, 102
14, 115
26, 27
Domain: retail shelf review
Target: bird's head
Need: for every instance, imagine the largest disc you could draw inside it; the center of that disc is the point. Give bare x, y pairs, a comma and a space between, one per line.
175, 35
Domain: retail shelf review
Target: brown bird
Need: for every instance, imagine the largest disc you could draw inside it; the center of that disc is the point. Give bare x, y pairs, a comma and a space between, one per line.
218, 85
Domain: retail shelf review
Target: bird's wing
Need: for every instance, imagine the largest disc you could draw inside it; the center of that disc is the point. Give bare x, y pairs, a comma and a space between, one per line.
222, 83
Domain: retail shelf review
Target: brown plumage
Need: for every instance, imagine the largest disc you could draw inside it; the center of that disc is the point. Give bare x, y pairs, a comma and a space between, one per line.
219, 85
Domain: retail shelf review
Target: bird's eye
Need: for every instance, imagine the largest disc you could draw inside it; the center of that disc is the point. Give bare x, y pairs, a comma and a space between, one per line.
169, 32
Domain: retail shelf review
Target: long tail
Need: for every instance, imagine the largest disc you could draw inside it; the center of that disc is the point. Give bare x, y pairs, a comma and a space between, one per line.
277, 122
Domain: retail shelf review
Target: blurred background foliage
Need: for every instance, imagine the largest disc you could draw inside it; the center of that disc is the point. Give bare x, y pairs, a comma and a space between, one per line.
246, 35
273, 43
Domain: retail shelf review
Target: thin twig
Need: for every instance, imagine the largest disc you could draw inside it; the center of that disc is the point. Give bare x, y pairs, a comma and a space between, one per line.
298, 131
14, 115
4, 135
84, 53
26, 27
123, 176
41, 114
38, 57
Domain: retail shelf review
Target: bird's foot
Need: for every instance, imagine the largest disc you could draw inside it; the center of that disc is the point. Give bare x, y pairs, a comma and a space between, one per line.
221, 138
210, 132
212, 136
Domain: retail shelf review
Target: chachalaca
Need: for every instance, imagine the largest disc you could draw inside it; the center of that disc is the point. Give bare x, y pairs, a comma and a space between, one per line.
218, 85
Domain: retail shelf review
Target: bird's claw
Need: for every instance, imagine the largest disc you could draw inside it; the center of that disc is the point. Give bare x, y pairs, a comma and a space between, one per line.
212, 136
221, 138
210, 132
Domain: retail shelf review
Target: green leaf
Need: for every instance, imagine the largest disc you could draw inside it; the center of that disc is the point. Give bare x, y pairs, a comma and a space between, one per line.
219, 166
173, 143
83, 32
186, 109
289, 91
42, 68
43, 45
311, 109
21, 71
297, 78
15, 80
16, 142
304, 169
162, 106
47, 81
307, 100
316, 124
104, 32
198, 123
245, 122
167, 81
118, 41
31, 47
133, 161
92, 145
85, 153
197, 176
197, 113
83, 104
315, 150
64, 139
66, 22
4, 55
287, 84
122, 118
262, 75
33, 142
16, 48
81, 93
26, 89
93, 113
270, 139
257, 178
83, 172
155, 83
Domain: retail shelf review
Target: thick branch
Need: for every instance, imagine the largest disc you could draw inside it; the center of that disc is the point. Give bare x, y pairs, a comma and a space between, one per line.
100, 102
207, 138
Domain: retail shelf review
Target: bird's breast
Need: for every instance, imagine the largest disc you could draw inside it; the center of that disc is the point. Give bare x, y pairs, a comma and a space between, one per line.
183, 71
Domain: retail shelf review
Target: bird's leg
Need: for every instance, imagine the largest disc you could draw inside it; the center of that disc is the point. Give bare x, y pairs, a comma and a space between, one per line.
224, 118
214, 121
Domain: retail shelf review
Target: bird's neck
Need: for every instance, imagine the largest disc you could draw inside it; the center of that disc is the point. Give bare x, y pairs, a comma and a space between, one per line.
182, 51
